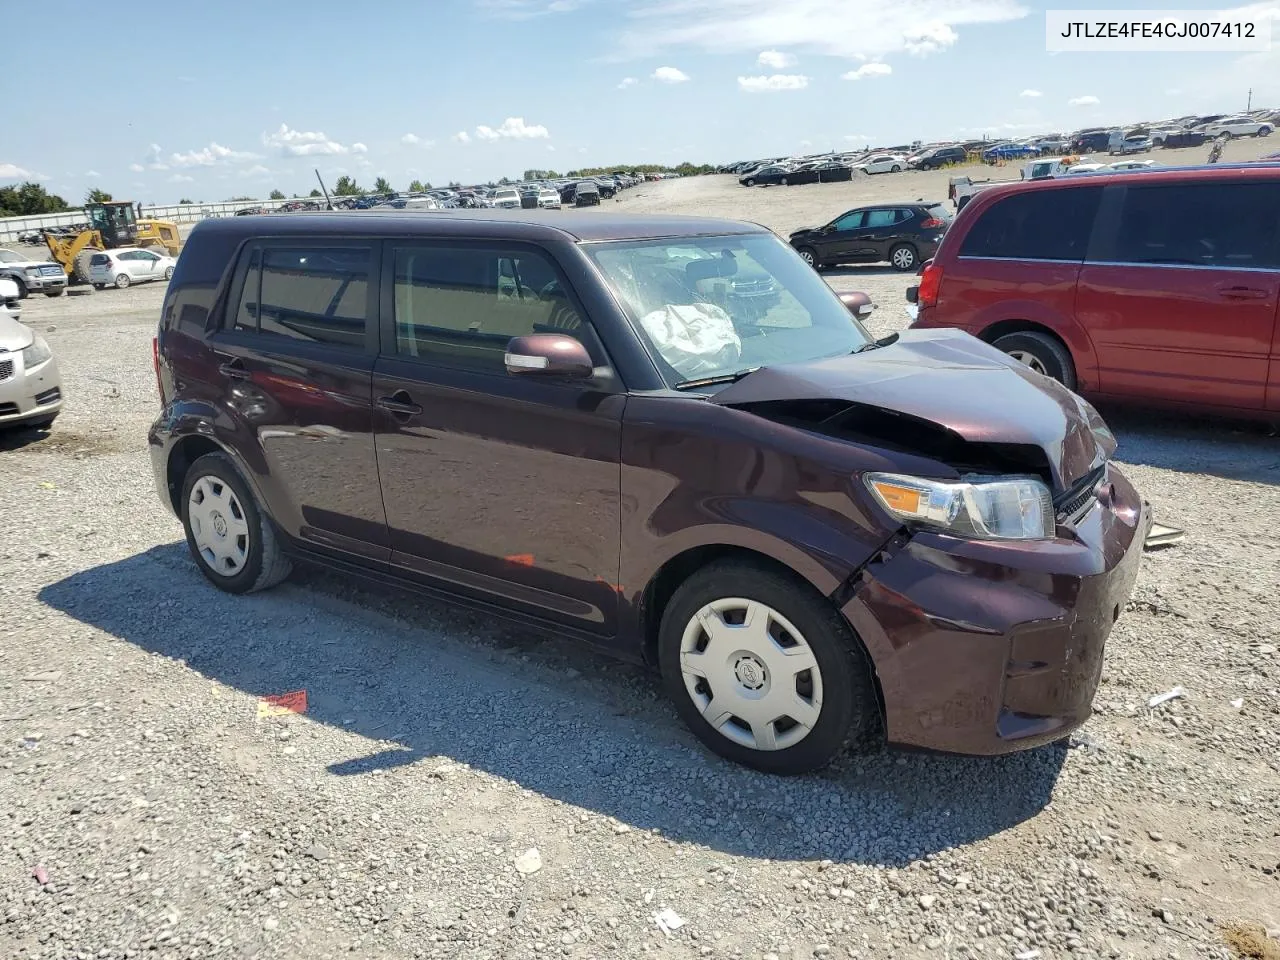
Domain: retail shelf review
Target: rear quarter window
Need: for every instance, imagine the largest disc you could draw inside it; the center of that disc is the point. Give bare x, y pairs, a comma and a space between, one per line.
1039, 224
99, 259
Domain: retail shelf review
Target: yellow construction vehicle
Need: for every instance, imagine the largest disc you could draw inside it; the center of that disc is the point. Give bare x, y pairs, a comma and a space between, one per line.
111, 225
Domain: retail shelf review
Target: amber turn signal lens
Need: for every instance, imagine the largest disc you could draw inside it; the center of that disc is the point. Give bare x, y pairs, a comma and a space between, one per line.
903, 499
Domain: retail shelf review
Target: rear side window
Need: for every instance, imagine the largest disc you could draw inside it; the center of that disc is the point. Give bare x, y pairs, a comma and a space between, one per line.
313, 294
1212, 224
99, 259
938, 212
1035, 225
460, 307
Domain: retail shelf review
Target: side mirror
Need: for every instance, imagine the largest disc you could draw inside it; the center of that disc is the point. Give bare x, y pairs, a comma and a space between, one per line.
829, 228
857, 303
549, 354
913, 294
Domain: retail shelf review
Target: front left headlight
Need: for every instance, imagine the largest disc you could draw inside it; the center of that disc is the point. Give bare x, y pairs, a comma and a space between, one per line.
37, 353
983, 508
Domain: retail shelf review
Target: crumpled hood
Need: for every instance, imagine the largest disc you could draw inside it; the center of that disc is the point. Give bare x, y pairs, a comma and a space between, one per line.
956, 381
803, 231
14, 335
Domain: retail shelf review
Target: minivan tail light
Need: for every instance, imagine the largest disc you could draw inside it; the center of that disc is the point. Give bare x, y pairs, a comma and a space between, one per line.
930, 281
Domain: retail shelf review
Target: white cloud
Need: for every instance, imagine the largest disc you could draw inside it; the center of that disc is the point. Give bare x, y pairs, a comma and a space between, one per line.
136, 167
868, 70
361, 148
550, 149
462, 137
257, 170
670, 75
154, 158
181, 178
1030, 93
773, 84
858, 137
1086, 101
627, 82
840, 28
513, 128
528, 9
806, 143
775, 59
11, 171
302, 143
93, 173
410, 138
209, 156
930, 38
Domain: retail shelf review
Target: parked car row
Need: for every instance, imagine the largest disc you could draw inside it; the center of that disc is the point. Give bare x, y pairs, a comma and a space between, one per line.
1161, 287
30, 384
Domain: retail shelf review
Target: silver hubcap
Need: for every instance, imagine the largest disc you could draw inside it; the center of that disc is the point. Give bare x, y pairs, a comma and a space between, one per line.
122, 280
808, 257
1030, 360
218, 526
903, 258
751, 674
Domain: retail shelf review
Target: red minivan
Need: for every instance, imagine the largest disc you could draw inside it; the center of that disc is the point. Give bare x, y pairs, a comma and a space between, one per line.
1158, 287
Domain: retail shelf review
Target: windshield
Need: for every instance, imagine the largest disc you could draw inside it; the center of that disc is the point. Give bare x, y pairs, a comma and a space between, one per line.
8, 256
718, 306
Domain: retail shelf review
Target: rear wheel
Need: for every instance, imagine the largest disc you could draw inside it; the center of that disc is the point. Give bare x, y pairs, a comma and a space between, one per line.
168, 273
1043, 353
896, 168
903, 257
764, 671
122, 281
234, 545
22, 287
1264, 132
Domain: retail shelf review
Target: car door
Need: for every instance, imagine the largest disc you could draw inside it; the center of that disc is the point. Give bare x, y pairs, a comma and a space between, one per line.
838, 242
1180, 291
148, 265
878, 230
506, 488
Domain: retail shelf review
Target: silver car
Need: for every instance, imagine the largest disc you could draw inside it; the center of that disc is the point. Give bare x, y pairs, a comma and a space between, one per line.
30, 385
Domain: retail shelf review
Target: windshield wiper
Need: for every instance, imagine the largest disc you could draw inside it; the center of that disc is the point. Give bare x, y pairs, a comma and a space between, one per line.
712, 381
882, 342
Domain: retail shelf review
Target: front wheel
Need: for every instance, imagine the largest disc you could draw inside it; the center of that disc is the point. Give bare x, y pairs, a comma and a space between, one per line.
56, 292
895, 169
22, 288
748, 183
903, 257
764, 671
168, 273
1264, 132
809, 256
233, 543
1043, 353
122, 281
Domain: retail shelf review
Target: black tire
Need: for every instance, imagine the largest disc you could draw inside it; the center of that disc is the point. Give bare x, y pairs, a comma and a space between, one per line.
904, 257
1047, 350
266, 563
55, 293
896, 168
849, 713
22, 287
749, 182
1263, 132
786, 181
122, 281
168, 273
811, 257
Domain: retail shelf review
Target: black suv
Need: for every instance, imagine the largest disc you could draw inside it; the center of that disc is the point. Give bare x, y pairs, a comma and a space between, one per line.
939, 157
904, 234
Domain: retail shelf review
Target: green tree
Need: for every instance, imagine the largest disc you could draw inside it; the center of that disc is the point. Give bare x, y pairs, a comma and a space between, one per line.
29, 198
346, 187
240, 199
185, 200
417, 186
97, 196
541, 175
315, 193
383, 185
277, 195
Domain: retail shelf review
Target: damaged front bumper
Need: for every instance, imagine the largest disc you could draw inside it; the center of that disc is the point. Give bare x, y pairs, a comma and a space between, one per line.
987, 647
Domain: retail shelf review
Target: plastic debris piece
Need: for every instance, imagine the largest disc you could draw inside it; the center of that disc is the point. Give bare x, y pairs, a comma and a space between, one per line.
1165, 697
41, 874
529, 862
1238, 703
1162, 536
49, 676
282, 704
668, 920
1031, 953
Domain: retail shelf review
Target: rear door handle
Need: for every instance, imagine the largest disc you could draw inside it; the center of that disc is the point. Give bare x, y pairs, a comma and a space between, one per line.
1243, 293
400, 404
234, 369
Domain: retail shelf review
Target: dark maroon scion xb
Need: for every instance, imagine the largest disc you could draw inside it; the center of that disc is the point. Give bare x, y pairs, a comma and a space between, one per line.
664, 436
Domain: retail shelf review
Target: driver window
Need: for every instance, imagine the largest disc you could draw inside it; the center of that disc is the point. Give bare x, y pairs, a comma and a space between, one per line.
850, 221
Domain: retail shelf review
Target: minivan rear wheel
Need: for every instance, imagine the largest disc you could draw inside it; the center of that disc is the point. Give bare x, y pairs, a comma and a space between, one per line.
234, 545
764, 671
1043, 353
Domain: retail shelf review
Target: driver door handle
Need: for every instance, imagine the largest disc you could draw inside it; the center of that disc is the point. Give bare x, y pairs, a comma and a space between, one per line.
233, 369
1243, 293
400, 404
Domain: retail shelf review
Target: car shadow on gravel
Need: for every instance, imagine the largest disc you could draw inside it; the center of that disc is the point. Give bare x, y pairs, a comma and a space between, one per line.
1231, 449
553, 718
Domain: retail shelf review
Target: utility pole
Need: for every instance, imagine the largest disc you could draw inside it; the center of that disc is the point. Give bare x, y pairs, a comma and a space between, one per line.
1249, 108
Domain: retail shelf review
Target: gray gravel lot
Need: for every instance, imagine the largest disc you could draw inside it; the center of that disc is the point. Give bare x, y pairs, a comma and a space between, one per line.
147, 810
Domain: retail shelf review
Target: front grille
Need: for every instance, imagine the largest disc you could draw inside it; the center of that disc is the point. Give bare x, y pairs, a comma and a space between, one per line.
1081, 495
6, 369
753, 288
50, 271
8, 408
49, 396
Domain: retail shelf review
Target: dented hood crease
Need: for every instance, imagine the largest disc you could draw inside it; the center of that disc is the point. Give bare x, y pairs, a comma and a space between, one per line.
952, 379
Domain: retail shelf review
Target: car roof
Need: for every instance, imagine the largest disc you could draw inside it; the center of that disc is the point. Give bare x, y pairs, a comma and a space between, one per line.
1209, 173
492, 224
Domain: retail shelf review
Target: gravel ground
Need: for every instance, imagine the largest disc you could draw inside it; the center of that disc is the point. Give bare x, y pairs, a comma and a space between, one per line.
148, 809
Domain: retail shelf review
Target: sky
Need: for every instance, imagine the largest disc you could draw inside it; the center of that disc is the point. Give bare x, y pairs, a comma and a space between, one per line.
237, 98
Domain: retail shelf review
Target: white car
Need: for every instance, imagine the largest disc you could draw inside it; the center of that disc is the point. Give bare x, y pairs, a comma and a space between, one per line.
548, 199
1132, 165
1239, 127
30, 385
883, 163
506, 198
126, 265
